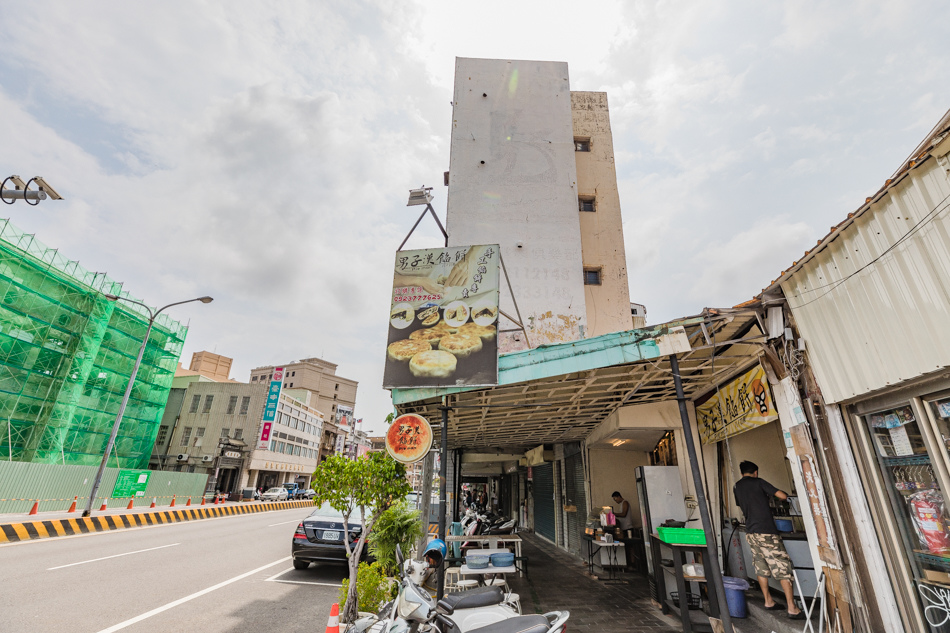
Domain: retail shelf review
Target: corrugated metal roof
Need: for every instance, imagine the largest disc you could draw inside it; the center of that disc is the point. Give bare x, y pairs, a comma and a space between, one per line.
920, 154
873, 303
559, 393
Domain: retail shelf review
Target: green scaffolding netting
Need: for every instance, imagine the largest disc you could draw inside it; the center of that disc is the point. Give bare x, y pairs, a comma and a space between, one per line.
66, 354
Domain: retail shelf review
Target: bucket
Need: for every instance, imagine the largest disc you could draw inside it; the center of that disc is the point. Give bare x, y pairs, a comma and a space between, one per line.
735, 595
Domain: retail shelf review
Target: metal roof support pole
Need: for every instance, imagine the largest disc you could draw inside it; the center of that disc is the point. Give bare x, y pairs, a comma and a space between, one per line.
443, 471
712, 552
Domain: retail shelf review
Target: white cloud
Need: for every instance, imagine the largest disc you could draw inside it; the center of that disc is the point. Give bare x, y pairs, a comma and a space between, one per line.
261, 152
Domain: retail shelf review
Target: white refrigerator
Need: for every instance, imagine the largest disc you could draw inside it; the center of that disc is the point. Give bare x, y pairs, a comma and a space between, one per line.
660, 492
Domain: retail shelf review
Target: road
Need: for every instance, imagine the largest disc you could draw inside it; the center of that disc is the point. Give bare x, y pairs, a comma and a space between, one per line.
225, 575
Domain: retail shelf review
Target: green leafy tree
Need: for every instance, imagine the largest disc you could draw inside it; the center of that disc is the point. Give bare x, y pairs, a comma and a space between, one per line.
367, 486
372, 586
399, 525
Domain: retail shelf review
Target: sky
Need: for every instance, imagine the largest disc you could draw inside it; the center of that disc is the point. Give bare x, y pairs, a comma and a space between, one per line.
262, 152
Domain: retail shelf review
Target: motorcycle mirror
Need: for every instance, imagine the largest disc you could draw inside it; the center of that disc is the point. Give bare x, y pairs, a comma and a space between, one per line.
399, 556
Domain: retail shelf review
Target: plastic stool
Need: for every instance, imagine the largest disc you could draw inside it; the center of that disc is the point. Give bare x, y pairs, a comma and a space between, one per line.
467, 584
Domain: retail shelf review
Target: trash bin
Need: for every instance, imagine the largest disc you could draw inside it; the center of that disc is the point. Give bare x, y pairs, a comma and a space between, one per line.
735, 595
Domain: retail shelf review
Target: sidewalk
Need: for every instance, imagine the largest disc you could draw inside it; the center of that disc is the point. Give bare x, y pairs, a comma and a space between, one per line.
556, 580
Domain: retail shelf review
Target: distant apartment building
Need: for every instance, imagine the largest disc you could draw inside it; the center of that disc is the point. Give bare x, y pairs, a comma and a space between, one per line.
212, 425
66, 355
532, 169
332, 394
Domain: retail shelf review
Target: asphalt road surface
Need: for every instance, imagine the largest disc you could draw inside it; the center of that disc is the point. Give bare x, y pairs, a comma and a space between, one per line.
231, 575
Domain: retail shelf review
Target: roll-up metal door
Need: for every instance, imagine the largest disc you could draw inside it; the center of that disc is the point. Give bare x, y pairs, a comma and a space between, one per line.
544, 520
575, 503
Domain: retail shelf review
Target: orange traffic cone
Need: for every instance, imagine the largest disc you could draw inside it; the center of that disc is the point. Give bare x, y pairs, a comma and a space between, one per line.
35, 508
203, 500
72, 508
153, 503
189, 502
129, 507
173, 502
103, 508
333, 624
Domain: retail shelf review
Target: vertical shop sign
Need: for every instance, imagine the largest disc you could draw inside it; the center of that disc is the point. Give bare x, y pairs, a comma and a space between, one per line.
270, 408
815, 495
741, 404
443, 318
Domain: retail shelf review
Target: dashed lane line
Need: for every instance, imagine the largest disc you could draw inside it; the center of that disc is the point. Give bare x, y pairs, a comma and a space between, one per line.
93, 560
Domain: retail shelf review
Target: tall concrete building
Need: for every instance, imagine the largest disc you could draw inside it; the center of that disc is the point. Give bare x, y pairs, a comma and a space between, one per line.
334, 395
532, 169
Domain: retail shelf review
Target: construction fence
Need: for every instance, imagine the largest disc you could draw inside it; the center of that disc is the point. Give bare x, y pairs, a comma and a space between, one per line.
55, 487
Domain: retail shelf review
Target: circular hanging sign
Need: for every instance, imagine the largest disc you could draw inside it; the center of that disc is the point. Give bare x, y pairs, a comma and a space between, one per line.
409, 438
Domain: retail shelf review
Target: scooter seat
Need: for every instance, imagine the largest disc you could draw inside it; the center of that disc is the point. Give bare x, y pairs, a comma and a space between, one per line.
471, 599
521, 624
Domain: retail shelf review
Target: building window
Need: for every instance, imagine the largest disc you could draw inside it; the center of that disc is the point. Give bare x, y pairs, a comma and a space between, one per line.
195, 401
225, 434
199, 434
280, 447
273, 445
334, 396
592, 276
293, 373
336, 387
239, 434
253, 378
585, 203
162, 434
581, 144
208, 400
291, 384
232, 404
185, 436
245, 401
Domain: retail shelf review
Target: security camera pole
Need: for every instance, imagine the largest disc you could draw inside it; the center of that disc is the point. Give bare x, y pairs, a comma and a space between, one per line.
22, 191
128, 390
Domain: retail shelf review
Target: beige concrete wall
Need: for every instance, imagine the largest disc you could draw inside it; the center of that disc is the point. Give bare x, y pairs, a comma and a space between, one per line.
613, 469
319, 377
602, 245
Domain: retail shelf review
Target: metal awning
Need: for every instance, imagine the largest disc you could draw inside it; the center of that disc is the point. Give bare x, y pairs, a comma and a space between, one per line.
560, 393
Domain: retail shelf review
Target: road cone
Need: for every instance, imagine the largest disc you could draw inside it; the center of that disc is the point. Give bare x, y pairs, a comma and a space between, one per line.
72, 508
333, 624
189, 502
173, 502
203, 500
153, 503
35, 508
103, 508
129, 507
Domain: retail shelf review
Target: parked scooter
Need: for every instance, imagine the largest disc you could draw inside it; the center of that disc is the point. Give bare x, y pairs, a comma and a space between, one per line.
414, 609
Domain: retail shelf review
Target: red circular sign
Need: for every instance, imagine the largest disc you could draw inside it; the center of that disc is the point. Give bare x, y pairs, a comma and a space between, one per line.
409, 438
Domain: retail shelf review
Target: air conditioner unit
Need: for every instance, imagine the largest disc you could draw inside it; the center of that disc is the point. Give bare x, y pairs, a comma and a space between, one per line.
182, 457
207, 459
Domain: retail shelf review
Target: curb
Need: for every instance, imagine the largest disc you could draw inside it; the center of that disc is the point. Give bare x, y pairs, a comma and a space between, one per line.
33, 530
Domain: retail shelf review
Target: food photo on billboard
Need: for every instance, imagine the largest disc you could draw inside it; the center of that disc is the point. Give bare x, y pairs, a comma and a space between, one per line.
443, 318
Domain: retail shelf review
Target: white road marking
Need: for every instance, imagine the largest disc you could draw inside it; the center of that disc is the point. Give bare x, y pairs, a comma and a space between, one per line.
113, 556
198, 594
284, 523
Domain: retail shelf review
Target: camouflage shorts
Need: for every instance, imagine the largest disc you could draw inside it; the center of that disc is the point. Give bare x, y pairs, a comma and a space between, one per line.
769, 556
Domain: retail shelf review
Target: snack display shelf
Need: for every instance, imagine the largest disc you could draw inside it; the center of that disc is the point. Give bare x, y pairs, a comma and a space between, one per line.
932, 559
910, 460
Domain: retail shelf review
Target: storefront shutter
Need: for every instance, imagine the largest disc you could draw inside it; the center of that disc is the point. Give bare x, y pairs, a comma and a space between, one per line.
574, 497
544, 501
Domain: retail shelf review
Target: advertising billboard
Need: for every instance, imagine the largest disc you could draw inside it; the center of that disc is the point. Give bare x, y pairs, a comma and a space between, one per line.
270, 408
409, 438
742, 404
443, 318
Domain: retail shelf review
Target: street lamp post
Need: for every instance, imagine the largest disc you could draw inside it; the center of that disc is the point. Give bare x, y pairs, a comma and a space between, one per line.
128, 389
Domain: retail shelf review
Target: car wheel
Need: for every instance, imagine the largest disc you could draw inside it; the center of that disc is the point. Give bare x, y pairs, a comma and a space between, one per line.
301, 564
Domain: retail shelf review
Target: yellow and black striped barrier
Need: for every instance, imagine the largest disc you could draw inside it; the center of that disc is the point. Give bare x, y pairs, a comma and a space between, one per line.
32, 530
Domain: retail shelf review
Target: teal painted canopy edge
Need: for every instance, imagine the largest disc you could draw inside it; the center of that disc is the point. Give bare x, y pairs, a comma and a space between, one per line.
547, 361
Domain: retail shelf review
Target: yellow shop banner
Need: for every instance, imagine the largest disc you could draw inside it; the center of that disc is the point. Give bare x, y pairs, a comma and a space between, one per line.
742, 404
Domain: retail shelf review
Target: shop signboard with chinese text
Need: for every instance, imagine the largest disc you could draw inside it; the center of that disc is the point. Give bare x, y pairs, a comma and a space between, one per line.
270, 408
131, 483
409, 438
443, 318
742, 404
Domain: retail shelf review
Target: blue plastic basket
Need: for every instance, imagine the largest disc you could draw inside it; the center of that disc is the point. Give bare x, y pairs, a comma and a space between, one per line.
477, 562
502, 560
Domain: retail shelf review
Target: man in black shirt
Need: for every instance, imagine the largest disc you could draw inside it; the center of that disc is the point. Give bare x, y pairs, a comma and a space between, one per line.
768, 552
